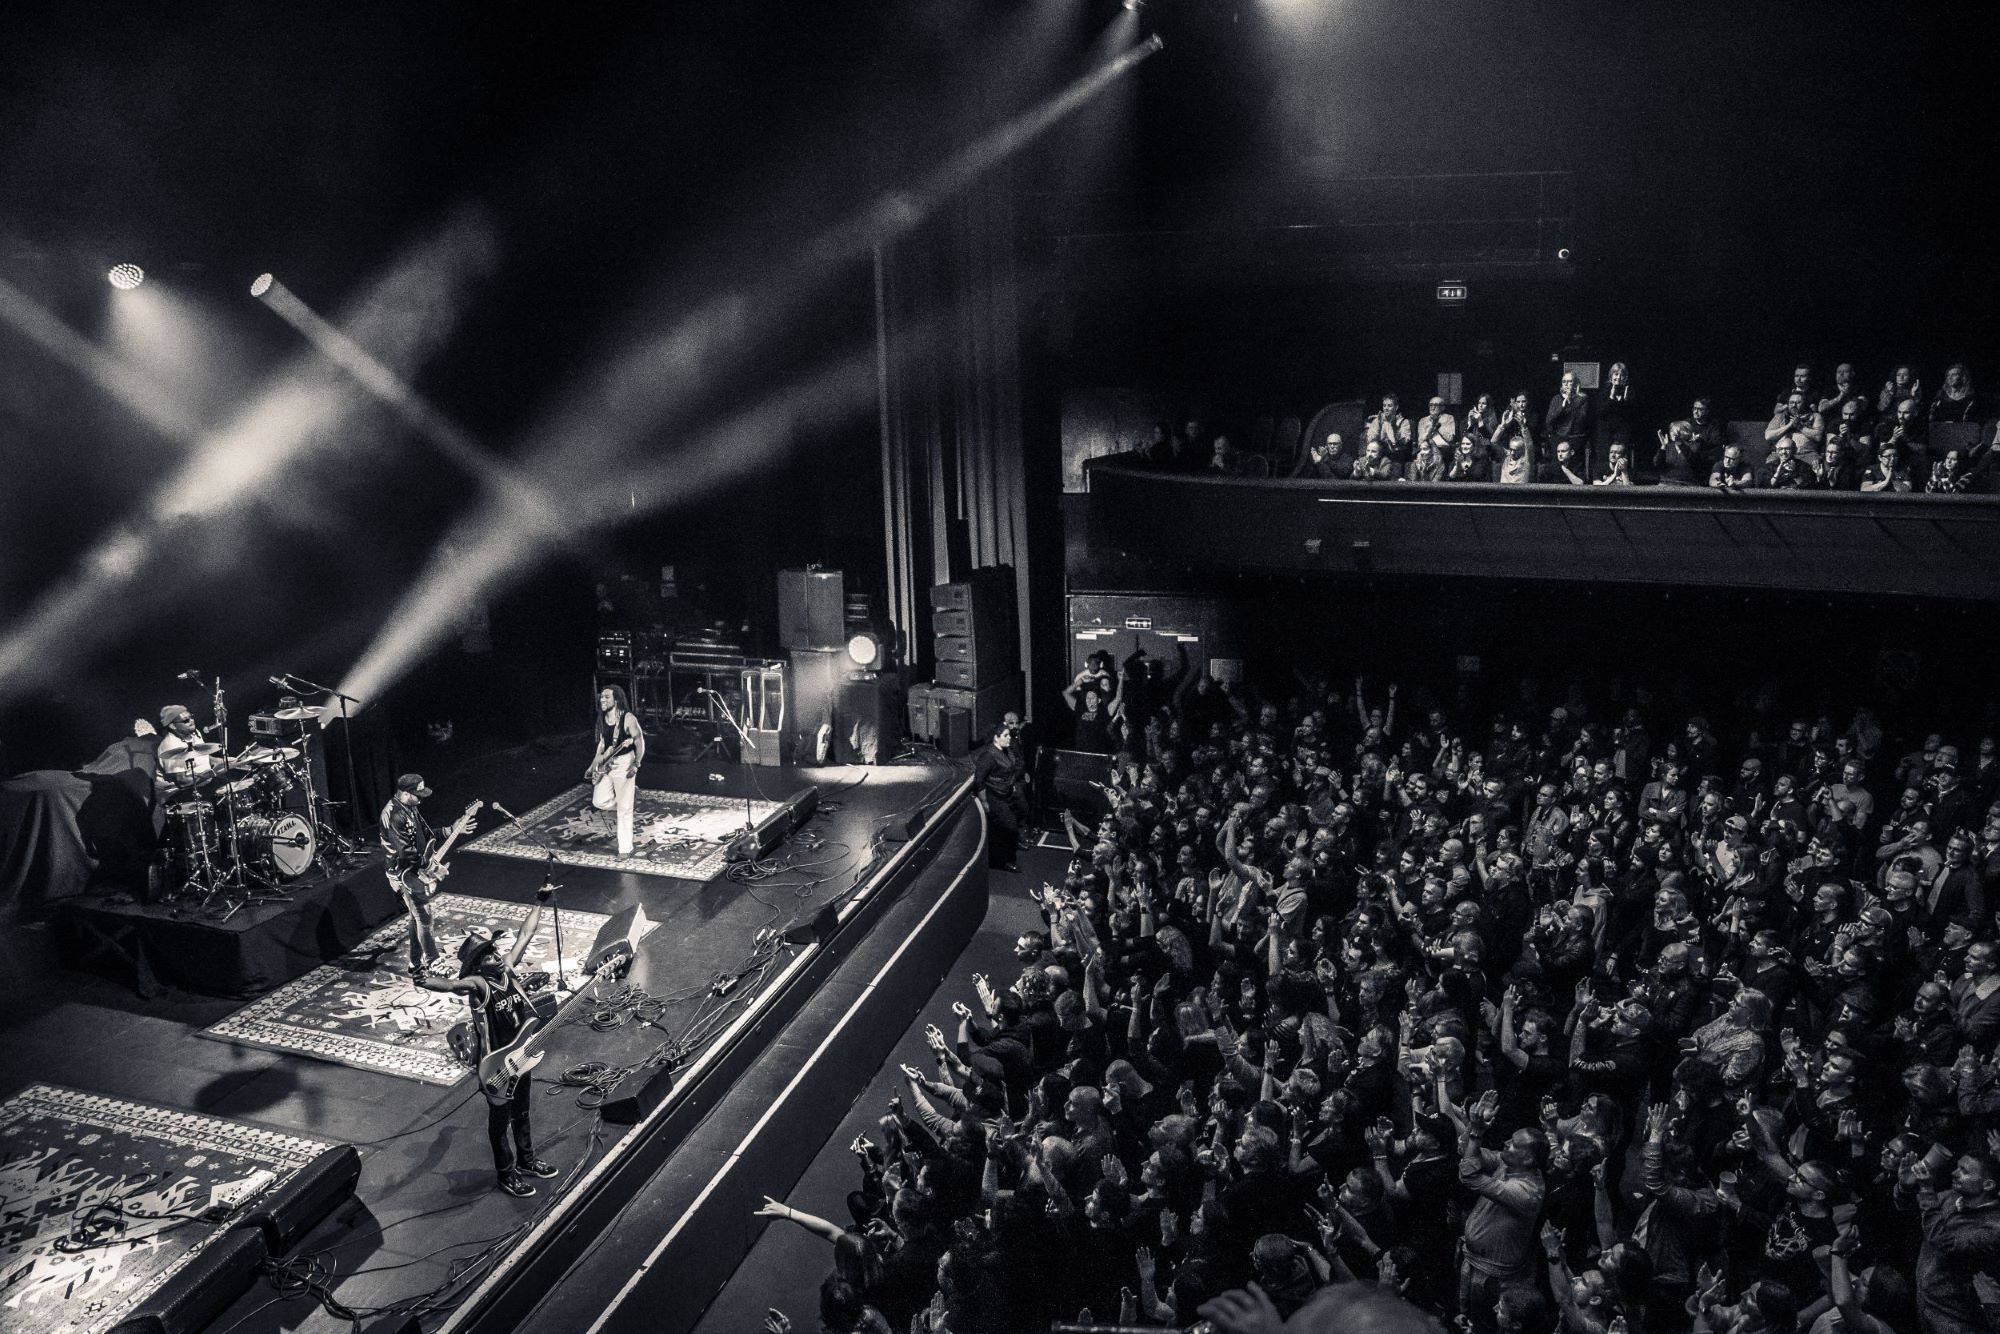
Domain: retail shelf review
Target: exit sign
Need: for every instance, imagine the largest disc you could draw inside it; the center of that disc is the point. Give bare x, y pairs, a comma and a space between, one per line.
1453, 294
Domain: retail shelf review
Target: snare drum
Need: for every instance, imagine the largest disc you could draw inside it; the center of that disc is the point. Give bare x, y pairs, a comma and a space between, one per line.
285, 839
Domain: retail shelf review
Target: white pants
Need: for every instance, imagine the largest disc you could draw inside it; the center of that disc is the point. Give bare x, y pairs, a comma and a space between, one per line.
619, 788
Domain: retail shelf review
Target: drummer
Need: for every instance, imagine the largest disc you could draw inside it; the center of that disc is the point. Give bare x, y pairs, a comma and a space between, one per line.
184, 758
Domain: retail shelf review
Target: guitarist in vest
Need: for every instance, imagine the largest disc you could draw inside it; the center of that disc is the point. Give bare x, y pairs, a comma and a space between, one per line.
501, 1018
614, 768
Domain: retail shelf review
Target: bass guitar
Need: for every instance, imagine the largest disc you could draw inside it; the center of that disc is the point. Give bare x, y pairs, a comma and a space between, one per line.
435, 868
499, 1070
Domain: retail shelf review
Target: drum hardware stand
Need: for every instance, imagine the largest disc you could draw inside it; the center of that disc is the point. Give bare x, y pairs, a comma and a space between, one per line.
347, 735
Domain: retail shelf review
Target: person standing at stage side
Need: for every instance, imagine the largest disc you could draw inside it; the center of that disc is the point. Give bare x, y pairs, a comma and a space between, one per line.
1003, 783
614, 769
407, 839
500, 1010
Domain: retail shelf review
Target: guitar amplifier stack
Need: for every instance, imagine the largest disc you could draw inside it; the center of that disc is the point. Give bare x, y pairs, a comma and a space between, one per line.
976, 642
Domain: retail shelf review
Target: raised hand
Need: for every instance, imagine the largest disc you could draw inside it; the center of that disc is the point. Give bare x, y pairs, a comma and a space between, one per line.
1113, 1170
1170, 1228
776, 1321
771, 1208
962, 1010
911, 1073
1243, 1311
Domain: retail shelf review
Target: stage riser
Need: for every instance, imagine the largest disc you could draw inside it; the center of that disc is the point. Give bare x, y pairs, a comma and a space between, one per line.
252, 952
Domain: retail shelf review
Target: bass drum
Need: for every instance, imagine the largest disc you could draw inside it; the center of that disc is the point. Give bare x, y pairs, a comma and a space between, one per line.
286, 840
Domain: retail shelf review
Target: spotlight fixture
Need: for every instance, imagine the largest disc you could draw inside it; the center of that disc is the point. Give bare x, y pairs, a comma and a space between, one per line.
125, 277
867, 650
261, 284
1135, 5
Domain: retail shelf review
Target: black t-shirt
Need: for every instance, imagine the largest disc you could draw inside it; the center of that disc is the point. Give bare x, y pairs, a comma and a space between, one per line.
1093, 720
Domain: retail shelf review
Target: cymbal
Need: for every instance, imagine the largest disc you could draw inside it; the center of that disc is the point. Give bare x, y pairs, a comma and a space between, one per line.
261, 755
305, 713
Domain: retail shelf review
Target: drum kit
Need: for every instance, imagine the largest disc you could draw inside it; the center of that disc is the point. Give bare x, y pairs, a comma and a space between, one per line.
241, 827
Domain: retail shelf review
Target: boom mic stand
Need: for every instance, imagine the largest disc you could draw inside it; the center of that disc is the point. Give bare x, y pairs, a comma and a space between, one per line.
347, 750
555, 912
747, 840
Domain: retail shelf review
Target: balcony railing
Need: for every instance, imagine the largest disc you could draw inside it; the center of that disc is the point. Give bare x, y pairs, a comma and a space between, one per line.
1889, 544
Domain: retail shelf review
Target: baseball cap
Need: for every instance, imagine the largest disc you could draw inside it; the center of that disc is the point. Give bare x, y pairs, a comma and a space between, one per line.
413, 783
172, 713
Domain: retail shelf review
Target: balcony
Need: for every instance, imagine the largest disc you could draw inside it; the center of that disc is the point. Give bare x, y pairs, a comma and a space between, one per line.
1897, 545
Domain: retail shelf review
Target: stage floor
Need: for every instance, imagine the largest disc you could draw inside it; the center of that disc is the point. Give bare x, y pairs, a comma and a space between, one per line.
427, 1179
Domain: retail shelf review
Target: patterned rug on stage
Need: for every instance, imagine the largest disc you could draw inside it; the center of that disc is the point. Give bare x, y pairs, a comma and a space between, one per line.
681, 834
103, 1200
363, 1010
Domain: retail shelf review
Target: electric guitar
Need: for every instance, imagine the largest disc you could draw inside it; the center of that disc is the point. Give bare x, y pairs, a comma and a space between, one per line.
435, 868
499, 1070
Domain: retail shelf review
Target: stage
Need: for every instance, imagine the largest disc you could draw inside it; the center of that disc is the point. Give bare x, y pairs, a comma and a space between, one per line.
427, 1232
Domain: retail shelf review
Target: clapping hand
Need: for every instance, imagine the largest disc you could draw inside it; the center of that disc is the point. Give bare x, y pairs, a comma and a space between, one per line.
776, 1321
962, 1010
1483, 1112
911, 1073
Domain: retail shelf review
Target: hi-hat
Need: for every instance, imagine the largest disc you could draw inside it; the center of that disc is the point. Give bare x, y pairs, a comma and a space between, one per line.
303, 714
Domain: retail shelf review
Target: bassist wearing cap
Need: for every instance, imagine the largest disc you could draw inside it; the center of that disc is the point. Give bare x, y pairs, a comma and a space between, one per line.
416, 861
503, 1024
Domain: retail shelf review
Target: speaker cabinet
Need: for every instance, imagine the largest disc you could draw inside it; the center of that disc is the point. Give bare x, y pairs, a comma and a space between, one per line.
812, 609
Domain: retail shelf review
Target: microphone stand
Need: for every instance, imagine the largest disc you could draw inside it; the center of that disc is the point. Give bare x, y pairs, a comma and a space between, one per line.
347, 732
555, 913
749, 834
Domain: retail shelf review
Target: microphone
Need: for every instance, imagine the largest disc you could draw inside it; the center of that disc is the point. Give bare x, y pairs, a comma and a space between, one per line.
503, 810
282, 682
190, 675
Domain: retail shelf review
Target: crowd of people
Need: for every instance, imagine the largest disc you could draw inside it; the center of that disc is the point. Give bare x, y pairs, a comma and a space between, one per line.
1820, 437
1350, 1016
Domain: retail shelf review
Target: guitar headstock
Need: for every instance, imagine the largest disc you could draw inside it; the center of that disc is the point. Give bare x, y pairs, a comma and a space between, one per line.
472, 809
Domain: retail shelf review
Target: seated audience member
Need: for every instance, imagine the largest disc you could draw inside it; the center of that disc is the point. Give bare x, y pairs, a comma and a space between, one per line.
1846, 389
1514, 437
1392, 430
1481, 419
1949, 475
1732, 473
1852, 428
1887, 473
1617, 466
1904, 429
1439, 427
1565, 469
1224, 460
1428, 464
1839, 464
1955, 401
1470, 463
1783, 470
1327, 459
1798, 425
1161, 450
1900, 385
1375, 465
1568, 417
1675, 462
1709, 436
